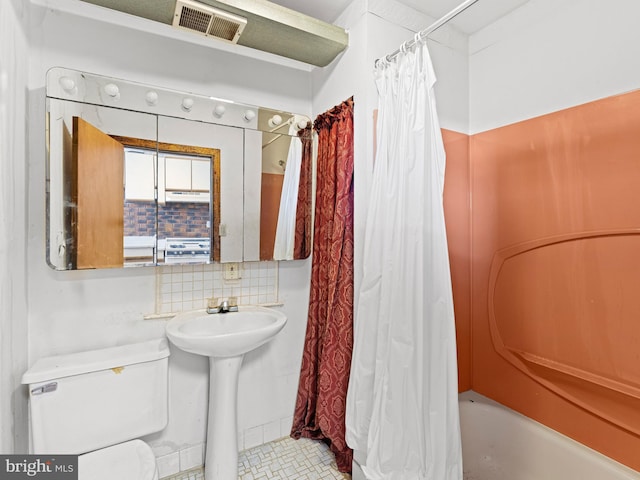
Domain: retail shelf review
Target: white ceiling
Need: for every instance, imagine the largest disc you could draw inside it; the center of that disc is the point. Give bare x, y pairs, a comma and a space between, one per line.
476, 17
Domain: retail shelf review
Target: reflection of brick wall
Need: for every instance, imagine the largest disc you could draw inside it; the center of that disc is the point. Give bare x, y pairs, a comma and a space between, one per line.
174, 219
183, 220
139, 218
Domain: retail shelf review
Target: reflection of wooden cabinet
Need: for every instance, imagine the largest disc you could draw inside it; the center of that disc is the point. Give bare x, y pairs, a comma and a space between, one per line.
187, 174
98, 223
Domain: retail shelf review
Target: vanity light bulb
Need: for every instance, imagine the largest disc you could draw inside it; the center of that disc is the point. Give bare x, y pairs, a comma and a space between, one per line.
151, 97
67, 84
219, 110
112, 90
187, 104
249, 115
275, 121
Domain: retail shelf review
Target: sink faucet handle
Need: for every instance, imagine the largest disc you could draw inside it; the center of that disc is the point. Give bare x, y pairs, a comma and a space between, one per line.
212, 302
233, 301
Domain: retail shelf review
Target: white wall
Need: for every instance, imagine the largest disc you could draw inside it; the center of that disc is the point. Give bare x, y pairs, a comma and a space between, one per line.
377, 28
391, 23
13, 209
73, 311
550, 55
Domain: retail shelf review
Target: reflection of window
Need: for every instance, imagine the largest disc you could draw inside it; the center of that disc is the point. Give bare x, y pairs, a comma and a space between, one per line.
200, 175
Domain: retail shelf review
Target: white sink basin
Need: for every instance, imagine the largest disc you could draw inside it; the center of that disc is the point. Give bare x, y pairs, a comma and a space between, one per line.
224, 334
224, 338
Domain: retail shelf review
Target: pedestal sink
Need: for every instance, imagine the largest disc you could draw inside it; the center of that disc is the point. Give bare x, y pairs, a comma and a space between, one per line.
224, 338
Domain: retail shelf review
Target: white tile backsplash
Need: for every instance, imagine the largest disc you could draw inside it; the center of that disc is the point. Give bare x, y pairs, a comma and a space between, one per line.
285, 426
187, 287
261, 434
192, 457
254, 437
271, 431
168, 464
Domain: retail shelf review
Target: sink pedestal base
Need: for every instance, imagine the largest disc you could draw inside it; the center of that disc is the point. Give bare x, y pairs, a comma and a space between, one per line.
221, 461
224, 338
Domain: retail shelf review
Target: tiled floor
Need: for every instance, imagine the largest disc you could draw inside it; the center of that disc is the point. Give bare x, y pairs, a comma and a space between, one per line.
282, 459
195, 474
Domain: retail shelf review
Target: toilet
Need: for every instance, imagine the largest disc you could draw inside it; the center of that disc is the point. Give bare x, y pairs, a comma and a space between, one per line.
97, 403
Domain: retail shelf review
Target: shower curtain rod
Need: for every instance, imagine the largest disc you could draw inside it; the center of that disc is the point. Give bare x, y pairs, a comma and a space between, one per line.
423, 34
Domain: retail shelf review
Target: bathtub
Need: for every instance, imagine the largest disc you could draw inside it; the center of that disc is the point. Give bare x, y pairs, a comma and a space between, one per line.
500, 444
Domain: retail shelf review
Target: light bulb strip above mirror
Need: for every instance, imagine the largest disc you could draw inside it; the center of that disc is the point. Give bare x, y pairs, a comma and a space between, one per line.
66, 84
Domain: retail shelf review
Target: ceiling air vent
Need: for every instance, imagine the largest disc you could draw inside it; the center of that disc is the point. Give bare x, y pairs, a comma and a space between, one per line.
208, 21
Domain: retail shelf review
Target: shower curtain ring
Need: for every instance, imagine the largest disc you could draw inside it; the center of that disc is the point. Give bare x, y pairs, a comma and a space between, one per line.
417, 38
382, 63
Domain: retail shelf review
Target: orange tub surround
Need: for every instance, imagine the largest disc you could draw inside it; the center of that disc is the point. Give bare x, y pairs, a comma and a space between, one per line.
543, 218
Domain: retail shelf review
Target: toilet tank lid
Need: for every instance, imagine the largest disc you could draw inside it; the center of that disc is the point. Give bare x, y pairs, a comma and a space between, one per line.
60, 366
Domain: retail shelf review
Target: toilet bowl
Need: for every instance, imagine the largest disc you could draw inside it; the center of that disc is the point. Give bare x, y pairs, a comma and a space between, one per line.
96, 404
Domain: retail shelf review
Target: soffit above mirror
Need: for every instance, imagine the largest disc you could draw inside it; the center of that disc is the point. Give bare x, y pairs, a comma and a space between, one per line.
269, 27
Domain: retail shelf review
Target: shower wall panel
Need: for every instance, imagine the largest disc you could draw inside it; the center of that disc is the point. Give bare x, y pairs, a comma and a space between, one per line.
556, 269
269, 209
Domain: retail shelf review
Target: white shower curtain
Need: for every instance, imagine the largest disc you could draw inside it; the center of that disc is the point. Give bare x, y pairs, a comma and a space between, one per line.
402, 401
286, 226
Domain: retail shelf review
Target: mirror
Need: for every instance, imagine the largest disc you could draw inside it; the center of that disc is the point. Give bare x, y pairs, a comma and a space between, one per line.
284, 162
140, 176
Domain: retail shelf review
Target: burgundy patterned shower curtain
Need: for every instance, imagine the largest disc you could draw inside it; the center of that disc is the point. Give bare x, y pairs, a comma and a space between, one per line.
302, 240
326, 360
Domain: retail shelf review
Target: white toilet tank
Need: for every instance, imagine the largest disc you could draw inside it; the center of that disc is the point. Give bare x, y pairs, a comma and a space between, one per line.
90, 400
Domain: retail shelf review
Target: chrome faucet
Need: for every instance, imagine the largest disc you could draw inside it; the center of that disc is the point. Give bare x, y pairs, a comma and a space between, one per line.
227, 305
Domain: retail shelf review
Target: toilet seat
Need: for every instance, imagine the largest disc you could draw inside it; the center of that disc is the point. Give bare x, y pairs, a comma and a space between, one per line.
133, 460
